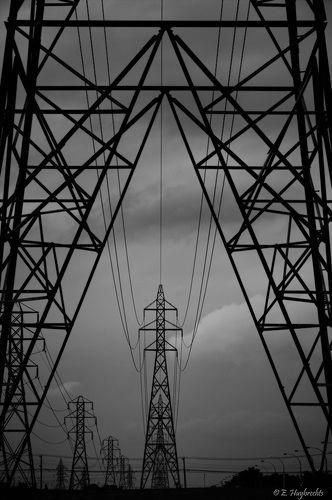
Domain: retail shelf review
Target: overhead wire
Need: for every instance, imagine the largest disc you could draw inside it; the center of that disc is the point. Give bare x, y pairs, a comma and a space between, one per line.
50, 407
200, 309
118, 293
198, 231
109, 198
205, 276
46, 441
142, 394
118, 176
202, 195
107, 180
161, 156
57, 375
226, 162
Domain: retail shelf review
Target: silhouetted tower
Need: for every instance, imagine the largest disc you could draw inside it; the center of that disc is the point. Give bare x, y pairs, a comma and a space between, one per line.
110, 455
160, 455
81, 414
123, 465
160, 474
60, 476
18, 415
85, 478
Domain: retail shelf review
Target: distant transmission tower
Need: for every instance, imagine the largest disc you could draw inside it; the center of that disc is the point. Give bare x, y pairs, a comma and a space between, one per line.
160, 455
18, 415
60, 476
110, 455
130, 478
123, 464
82, 414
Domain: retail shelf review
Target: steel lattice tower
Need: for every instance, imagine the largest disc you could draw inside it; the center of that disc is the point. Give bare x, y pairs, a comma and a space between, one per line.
130, 478
111, 454
19, 410
60, 476
160, 473
160, 456
123, 467
288, 178
81, 417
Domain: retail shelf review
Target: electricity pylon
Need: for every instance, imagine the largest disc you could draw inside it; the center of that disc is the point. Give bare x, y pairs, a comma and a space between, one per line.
160, 456
111, 455
123, 466
81, 417
19, 413
60, 476
283, 179
130, 478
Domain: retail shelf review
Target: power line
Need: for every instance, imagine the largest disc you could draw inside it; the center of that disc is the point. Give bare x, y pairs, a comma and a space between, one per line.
161, 156
203, 295
204, 176
118, 293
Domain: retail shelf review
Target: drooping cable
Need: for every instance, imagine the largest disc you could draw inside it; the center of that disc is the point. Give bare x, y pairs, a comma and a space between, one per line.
57, 375
161, 156
109, 199
198, 231
118, 294
47, 403
49, 366
198, 318
107, 52
141, 361
226, 162
107, 181
202, 195
205, 265
46, 441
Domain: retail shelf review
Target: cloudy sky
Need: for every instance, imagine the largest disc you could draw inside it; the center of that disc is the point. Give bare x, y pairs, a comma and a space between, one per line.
230, 404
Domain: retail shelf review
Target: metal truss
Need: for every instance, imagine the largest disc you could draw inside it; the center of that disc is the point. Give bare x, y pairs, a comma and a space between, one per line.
110, 451
123, 472
60, 476
19, 412
160, 458
287, 185
81, 416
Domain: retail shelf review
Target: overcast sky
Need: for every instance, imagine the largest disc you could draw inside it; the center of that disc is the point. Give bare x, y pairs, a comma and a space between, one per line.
230, 404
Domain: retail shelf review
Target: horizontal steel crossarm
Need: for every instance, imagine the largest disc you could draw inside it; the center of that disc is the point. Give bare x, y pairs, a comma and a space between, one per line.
166, 88
81, 111
165, 25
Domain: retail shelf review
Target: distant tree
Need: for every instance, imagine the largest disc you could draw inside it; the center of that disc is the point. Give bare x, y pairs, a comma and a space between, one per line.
248, 478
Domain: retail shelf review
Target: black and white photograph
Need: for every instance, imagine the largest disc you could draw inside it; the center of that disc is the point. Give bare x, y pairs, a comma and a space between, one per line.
165, 249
